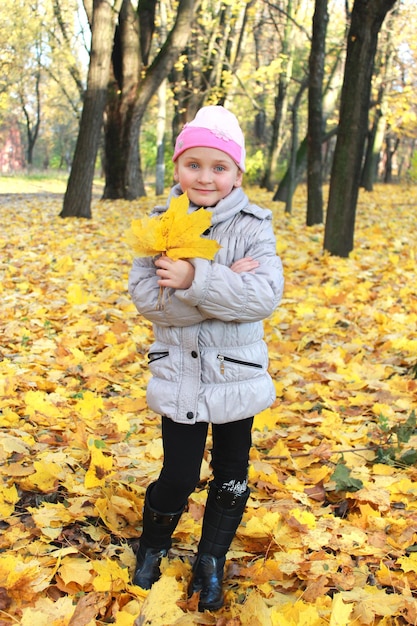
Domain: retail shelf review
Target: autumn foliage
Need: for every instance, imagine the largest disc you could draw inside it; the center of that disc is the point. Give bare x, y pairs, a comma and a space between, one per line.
330, 532
175, 233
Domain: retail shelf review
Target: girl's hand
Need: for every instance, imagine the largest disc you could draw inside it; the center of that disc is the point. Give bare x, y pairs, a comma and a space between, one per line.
176, 274
247, 264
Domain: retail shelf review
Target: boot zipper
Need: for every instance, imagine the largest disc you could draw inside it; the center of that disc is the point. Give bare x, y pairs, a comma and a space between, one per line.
229, 359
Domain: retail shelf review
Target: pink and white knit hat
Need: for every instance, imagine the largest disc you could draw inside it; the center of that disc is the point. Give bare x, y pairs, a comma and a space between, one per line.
213, 127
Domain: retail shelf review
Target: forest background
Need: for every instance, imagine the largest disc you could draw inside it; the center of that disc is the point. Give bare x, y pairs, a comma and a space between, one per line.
330, 535
324, 89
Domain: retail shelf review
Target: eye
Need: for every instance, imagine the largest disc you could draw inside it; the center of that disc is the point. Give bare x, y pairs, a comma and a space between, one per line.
219, 168
193, 166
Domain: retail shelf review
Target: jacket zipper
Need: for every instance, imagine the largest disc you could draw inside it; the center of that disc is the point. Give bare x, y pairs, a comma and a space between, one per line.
155, 356
229, 359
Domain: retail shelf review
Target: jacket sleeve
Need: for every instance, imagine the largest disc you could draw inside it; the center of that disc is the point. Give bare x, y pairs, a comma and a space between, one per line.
159, 305
219, 292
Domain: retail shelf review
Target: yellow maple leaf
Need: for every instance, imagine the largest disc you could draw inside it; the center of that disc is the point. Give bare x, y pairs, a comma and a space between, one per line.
262, 524
39, 402
266, 419
254, 612
175, 233
44, 478
47, 612
109, 575
8, 498
128, 615
23, 579
160, 607
50, 518
121, 422
295, 613
76, 570
76, 294
305, 518
89, 405
371, 601
63, 264
9, 417
100, 466
408, 563
340, 612
119, 509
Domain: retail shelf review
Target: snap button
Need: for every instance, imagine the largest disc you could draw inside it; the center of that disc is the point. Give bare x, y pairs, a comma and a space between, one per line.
194, 354
190, 415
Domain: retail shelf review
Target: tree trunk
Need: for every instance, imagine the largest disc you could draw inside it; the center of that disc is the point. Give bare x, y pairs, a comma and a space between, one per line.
373, 149
329, 100
281, 100
32, 126
160, 139
315, 115
121, 97
367, 19
391, 148
377, 132
133, 88
293, 160
294, 146
161, 119
158, 71
77, 200
286, 183
281, 193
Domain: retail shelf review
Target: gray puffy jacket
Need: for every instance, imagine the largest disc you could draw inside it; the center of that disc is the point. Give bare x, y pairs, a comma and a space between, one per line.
209, 361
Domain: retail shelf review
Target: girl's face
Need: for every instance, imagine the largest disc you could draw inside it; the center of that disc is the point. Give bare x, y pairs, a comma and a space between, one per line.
206, 175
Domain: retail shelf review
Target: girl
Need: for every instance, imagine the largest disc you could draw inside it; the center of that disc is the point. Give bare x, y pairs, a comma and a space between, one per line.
209, 361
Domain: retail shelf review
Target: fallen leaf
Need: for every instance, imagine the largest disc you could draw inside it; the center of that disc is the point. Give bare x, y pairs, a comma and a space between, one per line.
89, 608
160, 607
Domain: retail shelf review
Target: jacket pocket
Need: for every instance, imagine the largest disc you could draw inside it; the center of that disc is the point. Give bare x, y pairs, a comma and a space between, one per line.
155, 356
227, 359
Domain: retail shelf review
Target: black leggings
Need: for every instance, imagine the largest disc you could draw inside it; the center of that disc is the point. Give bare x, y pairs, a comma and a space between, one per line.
184, 447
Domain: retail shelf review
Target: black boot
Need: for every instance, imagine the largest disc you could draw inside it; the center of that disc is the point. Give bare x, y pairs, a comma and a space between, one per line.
155, 542
223, 514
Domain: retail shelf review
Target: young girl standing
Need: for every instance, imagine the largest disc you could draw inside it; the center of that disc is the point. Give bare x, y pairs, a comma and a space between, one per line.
209, 361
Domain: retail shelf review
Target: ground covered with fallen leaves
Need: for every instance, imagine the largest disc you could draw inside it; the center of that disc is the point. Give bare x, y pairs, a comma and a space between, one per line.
330, 532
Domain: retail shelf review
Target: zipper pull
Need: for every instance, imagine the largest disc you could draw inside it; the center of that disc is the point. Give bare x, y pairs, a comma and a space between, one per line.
221, 359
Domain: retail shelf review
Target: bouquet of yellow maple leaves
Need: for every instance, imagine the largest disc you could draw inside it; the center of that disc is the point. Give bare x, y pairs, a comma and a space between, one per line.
176, 233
